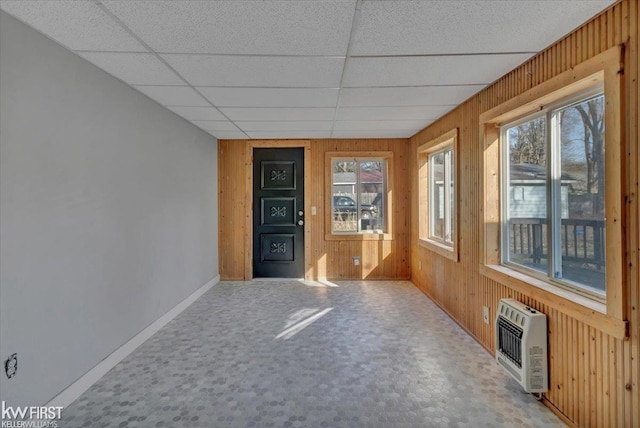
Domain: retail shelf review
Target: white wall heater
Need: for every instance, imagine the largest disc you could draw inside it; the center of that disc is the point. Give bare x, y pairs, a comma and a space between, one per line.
521, 344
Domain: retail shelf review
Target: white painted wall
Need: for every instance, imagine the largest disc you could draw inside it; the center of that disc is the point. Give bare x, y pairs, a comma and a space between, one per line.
108, 206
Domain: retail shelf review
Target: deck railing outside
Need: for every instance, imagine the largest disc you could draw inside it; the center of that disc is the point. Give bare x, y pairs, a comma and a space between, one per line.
582, 240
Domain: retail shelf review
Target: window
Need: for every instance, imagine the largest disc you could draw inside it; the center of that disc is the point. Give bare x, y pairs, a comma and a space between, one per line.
556, 158
437, 194
359, 188
441, 196
554, 191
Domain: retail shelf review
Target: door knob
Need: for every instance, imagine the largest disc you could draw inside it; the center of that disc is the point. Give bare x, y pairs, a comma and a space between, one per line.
300, 222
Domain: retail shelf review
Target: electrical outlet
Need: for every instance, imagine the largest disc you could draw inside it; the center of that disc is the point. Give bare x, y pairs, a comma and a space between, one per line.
420, 265
485, 314
356, 261
11, 366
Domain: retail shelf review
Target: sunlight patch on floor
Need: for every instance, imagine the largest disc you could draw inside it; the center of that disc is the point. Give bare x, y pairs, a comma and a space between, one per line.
318, 283
296, 328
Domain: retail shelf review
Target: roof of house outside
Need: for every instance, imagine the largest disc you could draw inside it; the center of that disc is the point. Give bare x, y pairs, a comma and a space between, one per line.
520, 172
532, 172
350, 177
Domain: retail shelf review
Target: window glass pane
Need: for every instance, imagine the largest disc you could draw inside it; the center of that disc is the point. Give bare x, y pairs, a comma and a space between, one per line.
437, 196
359, 195
371, 195
442, 196
527, 194
582, 193
452, 197
345, 218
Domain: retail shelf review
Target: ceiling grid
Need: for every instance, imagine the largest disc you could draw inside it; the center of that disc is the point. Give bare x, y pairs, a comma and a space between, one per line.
306, 69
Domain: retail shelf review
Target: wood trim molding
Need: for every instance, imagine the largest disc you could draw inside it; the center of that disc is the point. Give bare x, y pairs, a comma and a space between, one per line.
605, 69
387, 236
579, 308
422, 156
580, 77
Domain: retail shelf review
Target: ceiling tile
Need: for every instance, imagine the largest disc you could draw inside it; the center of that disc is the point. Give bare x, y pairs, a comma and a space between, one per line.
289, 134
373, 134
229, 135
432, 70
293, 125
173, 95
275, 66
409, 96
216, 125
271, 97
134, 68
278, 114
481, 26
212, 70
392, 113
198, 113
78, 25
373, 125
240, 27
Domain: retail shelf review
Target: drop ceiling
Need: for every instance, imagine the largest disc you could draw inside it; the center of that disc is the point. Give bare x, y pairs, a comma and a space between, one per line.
306, 69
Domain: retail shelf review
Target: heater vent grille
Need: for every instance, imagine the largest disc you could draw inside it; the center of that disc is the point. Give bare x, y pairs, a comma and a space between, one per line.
510, 341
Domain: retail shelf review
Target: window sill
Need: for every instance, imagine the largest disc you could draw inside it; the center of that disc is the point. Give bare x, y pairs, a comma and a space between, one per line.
579, 307
364, 236
444, 250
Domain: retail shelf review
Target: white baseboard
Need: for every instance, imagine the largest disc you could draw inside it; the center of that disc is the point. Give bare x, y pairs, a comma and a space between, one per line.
77, 388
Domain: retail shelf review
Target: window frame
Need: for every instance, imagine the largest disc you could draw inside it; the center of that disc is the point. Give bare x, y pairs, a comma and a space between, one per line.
387, 157
552, 192
443, 143
604, 69
449, 226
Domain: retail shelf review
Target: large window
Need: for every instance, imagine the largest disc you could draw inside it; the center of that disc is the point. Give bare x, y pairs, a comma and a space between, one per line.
554, 190
437, 194
553, 193
359, 195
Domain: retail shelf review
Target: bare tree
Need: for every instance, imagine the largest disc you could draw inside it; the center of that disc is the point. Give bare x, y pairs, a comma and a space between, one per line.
371, 166
582, 131
344, 166
349, 166
592, 117
527, 143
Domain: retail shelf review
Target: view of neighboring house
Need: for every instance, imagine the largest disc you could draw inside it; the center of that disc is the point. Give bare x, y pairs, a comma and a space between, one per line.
371, 182
528, 191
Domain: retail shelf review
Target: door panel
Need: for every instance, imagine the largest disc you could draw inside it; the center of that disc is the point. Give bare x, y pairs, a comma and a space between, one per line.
278, 211
277, 247
278, 215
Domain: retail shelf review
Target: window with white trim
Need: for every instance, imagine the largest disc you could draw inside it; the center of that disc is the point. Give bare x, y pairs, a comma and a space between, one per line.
442, 196
359, 195
580, 278
437, 212
553, 193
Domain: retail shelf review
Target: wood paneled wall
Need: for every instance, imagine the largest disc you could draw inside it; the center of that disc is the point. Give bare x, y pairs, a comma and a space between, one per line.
329, 258
594, 378
231, 209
